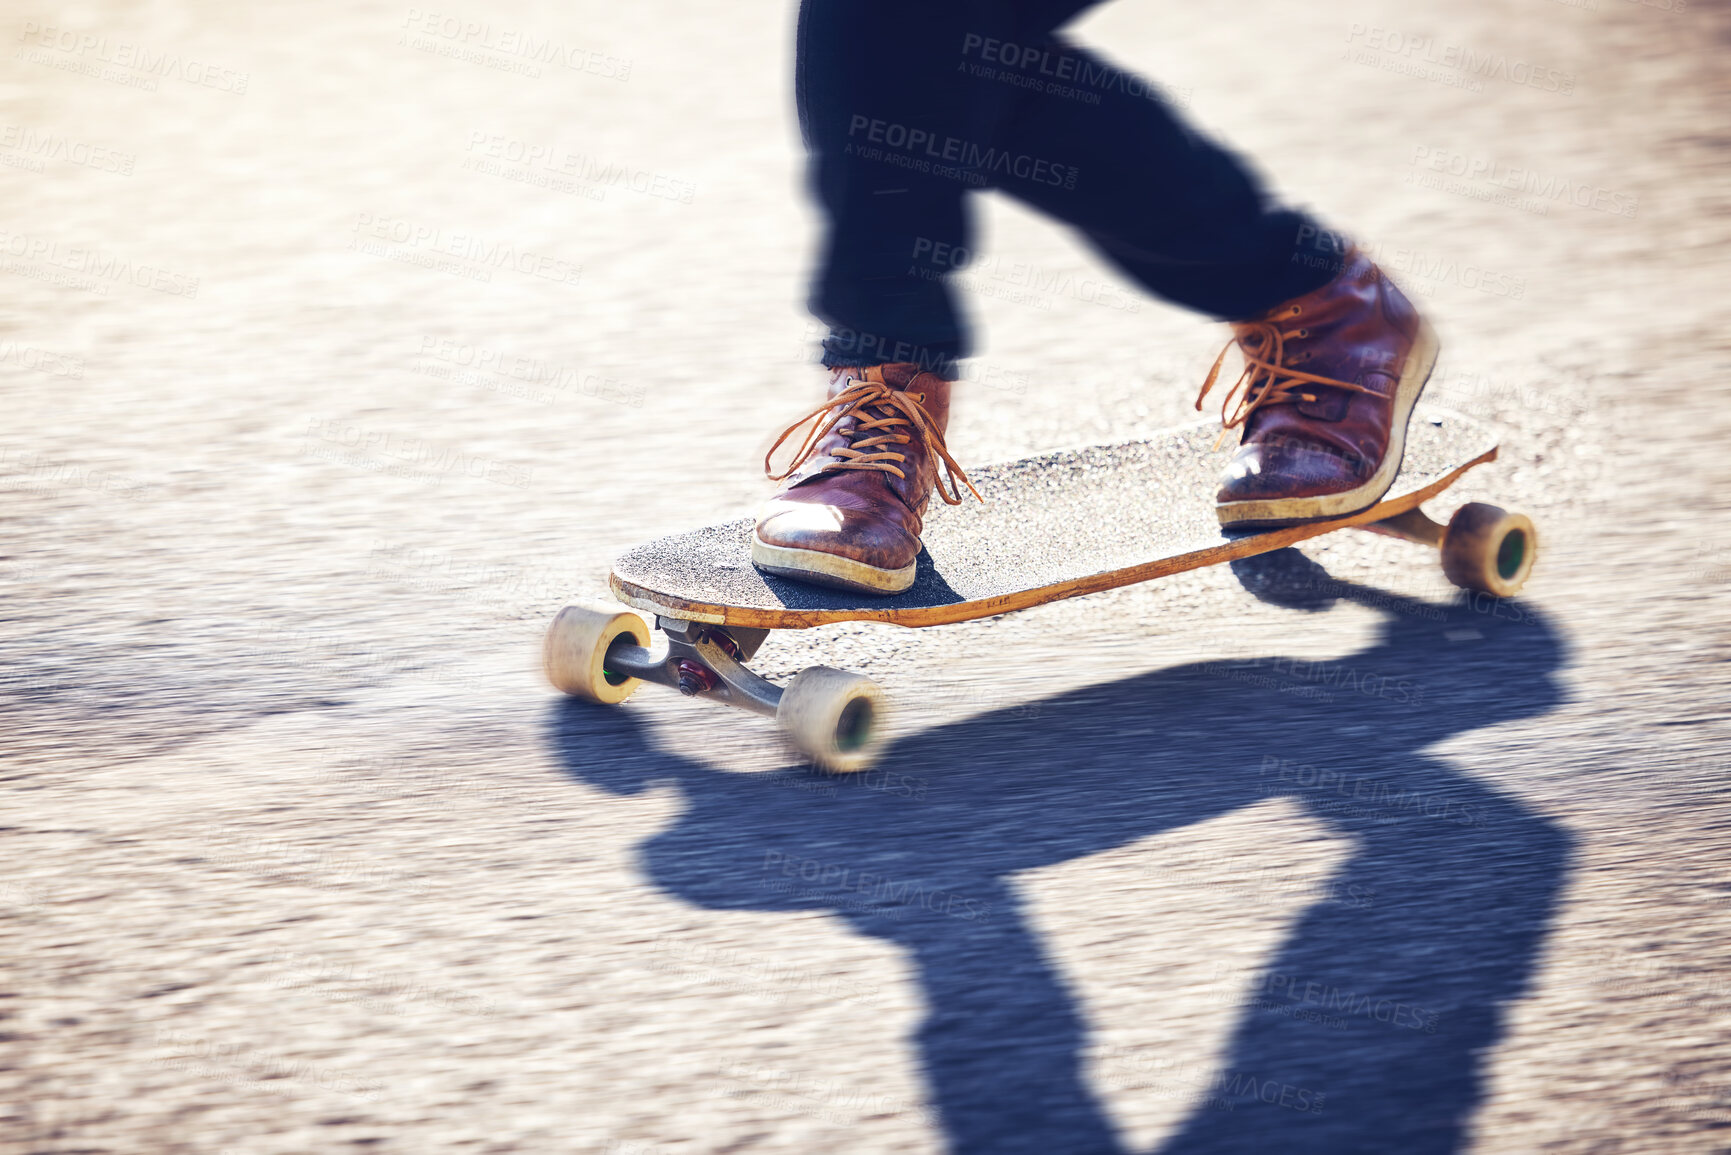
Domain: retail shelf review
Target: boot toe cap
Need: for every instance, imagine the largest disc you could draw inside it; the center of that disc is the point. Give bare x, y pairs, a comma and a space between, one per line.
832, 546
1274, 471
836, 530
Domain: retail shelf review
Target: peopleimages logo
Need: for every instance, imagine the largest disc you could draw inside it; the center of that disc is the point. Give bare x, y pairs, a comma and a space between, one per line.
1069, 76
1019, 281
509, 49
1328, 250
1544, 187
1288, 988
38, 146
461, 254
1464, 61
99, 269
122, 61
584, 168
1360, 788
956, 158
829, 876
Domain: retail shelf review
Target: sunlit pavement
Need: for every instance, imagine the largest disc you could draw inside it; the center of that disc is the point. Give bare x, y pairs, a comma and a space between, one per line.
342, 344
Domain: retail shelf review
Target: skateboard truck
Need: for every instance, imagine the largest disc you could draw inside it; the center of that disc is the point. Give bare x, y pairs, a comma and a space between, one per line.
700, 662
604, 653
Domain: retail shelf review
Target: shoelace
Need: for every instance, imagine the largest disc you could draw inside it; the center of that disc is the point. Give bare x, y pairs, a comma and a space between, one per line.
1267, 379
875, 406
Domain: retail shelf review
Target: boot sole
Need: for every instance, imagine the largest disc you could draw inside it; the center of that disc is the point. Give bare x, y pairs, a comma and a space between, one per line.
827, 569
1274, 513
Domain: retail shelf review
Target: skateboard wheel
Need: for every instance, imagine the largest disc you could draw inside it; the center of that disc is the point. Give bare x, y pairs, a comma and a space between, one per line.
575, 652
1489, 549
833, 717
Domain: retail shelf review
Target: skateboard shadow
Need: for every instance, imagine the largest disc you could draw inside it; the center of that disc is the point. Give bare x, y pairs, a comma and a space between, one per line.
1368, 1028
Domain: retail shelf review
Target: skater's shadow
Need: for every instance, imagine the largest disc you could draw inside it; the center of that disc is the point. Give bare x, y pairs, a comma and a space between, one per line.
1368, 1028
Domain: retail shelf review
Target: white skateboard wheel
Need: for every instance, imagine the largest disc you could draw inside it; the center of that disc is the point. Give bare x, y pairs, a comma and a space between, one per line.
1489, 549
833, 717
575, 652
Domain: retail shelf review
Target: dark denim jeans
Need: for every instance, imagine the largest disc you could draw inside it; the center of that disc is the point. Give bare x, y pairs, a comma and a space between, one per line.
906, 105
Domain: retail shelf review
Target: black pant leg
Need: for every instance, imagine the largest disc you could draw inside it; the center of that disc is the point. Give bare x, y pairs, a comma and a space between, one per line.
906, 105
1182, 216
877, 83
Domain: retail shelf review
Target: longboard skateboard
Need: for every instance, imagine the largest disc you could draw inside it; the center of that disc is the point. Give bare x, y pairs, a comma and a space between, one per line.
1056, 525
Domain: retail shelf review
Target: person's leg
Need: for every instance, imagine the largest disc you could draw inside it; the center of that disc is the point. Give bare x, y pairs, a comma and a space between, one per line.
905, 106
897, 125
870, 75
1100, 149
880, 103
1335, 356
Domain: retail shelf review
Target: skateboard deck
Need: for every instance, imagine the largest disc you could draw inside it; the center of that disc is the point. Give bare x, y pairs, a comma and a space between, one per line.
1055, 525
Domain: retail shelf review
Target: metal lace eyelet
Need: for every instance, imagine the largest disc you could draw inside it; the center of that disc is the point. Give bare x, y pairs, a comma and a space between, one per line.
1304, 332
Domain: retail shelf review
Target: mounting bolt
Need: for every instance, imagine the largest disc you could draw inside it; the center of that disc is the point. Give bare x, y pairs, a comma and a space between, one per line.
694, 677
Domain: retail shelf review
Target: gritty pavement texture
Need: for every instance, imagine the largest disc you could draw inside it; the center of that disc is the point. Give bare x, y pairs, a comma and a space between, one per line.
342, 344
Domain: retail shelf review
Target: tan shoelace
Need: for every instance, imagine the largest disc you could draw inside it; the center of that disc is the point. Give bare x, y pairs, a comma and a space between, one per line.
875, 406
1266, 379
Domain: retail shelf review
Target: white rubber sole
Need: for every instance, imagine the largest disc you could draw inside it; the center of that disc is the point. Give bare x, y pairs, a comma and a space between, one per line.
1271, 512
828, 569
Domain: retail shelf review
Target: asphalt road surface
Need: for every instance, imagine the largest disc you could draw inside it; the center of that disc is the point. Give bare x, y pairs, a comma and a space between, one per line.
341, 344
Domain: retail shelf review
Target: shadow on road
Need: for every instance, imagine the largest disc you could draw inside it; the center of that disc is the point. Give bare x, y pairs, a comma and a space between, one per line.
1409, 970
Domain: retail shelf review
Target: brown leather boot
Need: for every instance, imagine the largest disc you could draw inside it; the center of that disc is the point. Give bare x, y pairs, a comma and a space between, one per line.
1329, 383
849, 513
